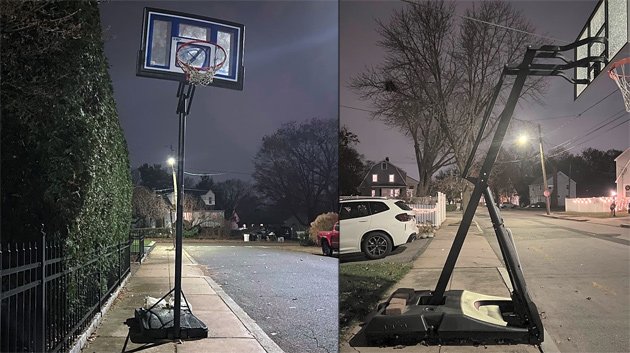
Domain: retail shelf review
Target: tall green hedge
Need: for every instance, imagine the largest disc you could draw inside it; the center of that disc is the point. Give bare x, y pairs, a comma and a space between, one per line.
65, 162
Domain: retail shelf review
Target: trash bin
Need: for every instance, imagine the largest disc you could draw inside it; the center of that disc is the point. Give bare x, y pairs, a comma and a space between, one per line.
245, 237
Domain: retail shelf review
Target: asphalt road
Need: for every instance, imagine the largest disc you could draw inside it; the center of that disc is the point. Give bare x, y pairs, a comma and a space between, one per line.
578, 274
292, 296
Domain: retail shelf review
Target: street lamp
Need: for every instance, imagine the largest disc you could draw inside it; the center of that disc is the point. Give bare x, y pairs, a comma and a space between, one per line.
171, 162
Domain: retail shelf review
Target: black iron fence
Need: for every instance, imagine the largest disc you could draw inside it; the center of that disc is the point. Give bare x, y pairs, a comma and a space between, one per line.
137, 246
48, 299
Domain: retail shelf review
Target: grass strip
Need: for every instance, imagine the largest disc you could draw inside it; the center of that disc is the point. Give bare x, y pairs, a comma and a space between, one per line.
361, 287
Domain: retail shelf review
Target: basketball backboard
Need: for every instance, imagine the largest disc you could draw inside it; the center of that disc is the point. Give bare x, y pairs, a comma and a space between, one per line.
164, 31
610, 20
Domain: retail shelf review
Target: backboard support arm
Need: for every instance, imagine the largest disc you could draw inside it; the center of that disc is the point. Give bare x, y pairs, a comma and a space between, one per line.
528, 67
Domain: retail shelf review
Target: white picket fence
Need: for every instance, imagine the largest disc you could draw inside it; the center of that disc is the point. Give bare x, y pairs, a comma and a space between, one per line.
596, 204
433, 210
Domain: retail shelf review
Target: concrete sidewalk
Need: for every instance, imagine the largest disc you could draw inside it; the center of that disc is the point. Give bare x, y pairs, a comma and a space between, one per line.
477, 269
230, 329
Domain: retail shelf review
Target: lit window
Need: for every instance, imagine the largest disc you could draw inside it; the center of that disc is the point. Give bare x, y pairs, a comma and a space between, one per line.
374, 178
391, 178
373, 193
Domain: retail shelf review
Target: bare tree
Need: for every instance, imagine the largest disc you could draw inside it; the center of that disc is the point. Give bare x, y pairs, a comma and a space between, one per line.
147, 205
230, 193
437, 82
296, 168
414, 39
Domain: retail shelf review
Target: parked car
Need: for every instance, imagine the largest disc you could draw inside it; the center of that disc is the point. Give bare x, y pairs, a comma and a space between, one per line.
538, 205
375, 226
329, 240
507, 205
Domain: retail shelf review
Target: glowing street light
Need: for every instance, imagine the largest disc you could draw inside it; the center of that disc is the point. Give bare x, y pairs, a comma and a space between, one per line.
171, 161
522, 139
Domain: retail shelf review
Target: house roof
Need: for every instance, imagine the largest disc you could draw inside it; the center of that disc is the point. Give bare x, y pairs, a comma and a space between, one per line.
624, 154
539, 180
400, 172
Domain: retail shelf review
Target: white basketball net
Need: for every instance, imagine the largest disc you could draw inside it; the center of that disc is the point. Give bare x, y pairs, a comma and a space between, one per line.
620, 73
201, 75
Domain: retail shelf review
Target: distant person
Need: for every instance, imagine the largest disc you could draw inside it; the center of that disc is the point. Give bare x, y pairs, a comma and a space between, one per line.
613, 207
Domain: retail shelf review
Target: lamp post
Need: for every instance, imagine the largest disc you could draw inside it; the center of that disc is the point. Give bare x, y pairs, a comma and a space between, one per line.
171, 162
522, 140
542, 164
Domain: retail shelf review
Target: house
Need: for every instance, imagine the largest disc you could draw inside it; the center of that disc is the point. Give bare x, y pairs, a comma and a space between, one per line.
202, 213
386, 179
565, 189
622, 175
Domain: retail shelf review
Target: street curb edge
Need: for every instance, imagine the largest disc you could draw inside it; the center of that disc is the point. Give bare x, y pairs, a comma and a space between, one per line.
267, 343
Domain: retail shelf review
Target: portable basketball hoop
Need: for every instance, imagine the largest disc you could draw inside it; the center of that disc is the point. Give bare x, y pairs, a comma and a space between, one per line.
200, 60
620, 73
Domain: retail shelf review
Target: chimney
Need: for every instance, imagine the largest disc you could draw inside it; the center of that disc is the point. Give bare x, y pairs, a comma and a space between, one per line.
387, 159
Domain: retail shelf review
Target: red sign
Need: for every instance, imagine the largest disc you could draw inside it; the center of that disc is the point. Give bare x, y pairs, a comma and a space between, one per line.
546, 193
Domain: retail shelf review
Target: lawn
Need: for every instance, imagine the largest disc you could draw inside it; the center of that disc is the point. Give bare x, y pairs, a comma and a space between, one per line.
361, 287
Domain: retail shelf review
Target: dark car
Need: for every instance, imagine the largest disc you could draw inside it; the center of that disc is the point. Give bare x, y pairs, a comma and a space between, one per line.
538, 205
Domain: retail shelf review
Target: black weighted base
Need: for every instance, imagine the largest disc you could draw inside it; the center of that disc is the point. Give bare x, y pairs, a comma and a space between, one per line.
462, 318
159, 324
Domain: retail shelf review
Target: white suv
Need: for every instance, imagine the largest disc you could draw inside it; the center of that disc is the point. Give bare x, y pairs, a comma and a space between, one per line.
374, 226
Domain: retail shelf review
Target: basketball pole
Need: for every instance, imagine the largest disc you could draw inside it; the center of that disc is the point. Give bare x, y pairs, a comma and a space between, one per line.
183, 108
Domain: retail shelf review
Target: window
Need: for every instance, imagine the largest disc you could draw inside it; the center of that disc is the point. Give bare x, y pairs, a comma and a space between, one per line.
374, 178
354, 210
383, 166
373, 192
391, 178
378, 207
403, 206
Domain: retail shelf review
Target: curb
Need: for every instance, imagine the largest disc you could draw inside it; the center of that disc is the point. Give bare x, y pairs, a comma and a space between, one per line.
263, 339
623, 225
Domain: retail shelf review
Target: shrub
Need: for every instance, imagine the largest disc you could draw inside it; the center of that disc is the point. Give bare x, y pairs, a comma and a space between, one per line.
61, 137
324, 221
451, 207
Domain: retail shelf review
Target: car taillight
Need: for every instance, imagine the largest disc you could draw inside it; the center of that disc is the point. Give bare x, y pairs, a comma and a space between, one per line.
403, 217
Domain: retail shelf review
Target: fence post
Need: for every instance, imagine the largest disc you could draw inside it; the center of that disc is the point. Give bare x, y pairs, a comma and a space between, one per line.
42, 290
119, 260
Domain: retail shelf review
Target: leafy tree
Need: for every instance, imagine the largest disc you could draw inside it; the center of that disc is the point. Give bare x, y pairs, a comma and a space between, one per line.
352, 167
296, 169
155, 177
593, 170
205, 183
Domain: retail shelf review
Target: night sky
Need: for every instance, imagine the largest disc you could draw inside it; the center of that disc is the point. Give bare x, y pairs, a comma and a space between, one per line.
562, 20
291, 74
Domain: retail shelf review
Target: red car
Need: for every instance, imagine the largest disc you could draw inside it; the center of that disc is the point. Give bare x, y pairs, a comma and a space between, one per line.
329, 240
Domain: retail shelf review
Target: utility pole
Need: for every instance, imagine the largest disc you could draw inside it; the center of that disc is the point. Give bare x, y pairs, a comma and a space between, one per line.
544, 174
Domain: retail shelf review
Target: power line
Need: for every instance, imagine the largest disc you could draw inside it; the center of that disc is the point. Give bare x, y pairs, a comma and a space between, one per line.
493, 24
616, 116
355, 108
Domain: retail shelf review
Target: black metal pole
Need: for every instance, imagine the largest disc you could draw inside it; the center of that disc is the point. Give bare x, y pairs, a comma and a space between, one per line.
183, 107
481, 182
181, 110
